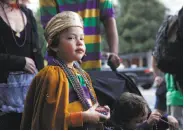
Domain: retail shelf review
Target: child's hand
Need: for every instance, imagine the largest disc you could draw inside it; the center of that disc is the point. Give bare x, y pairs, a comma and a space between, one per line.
92, 116
105, 110
154, 117
158, 80
173, 122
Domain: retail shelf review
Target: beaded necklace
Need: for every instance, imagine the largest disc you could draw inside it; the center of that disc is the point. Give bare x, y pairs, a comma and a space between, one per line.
17, 33
76, 84
155, 125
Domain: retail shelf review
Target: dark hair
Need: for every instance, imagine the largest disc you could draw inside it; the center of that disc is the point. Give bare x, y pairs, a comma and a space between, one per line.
129, 106
55, 43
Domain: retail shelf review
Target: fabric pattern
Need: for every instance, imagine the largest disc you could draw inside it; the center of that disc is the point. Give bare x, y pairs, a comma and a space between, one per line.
13, 93
92, 12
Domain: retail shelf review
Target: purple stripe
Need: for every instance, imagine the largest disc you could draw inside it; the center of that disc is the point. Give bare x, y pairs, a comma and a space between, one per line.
73, 95
45, 19
91, 31
86, 91
49, 59
90, 4
107, 13
92, 56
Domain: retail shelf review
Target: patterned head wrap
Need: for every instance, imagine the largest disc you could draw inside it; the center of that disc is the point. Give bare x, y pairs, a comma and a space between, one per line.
60, 22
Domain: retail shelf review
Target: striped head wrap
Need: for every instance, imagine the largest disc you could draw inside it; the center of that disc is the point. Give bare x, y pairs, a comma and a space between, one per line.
60, 22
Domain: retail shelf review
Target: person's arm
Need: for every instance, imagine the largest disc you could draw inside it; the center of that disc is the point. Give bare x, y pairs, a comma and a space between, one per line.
12, 62
91, 116
107, 17
156, 71
111, 34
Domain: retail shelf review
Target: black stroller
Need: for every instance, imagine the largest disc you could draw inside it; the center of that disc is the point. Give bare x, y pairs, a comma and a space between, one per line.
109, 85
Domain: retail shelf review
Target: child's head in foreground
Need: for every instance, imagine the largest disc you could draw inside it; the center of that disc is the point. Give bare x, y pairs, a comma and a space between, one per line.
130, 110
65, 36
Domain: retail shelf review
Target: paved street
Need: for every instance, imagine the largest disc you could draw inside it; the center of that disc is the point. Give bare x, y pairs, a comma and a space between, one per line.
149, 95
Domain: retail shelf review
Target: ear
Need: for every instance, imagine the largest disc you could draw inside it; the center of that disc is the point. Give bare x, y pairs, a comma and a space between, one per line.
55, 49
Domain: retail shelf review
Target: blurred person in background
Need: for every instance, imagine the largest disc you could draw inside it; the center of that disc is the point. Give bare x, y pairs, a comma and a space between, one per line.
174, 100
160, 104
168, 58
160, 85
20, 58
174, 83
93, 13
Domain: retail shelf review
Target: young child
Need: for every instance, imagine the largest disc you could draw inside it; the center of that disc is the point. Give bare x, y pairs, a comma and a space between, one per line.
61, 95
131, 112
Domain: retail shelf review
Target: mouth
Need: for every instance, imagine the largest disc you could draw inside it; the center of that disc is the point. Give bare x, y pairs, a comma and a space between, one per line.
79, 51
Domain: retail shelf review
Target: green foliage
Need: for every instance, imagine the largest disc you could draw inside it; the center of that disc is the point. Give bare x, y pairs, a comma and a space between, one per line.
137, 23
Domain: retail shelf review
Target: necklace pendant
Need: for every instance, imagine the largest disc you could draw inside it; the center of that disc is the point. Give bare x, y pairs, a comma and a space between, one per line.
18, 34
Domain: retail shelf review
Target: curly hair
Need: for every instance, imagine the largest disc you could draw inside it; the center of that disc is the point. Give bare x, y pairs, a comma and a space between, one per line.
55, 43
129, 106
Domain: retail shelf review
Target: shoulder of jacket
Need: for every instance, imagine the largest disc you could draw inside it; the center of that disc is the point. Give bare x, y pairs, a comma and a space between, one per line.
51, 72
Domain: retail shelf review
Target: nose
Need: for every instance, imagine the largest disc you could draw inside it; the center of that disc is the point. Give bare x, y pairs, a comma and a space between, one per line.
80, 42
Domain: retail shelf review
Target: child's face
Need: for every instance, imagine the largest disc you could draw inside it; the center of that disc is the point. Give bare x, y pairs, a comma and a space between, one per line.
138, 120
71, 47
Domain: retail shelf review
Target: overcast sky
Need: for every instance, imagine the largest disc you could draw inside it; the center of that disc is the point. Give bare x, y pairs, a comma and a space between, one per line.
173, 5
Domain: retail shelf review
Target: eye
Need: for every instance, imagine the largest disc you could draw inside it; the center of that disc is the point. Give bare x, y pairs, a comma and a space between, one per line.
81, 38
71, 38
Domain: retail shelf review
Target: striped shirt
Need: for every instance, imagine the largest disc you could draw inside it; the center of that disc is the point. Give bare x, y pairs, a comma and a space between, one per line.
92, 12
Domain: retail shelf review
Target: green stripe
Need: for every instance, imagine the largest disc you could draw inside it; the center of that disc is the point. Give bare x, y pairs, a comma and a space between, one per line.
81, 80
63, 2
93, 47
105, 5
48, 10
91, 22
